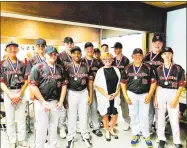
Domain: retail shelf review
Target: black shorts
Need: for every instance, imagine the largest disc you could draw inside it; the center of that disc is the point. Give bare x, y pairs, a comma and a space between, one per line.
112, 110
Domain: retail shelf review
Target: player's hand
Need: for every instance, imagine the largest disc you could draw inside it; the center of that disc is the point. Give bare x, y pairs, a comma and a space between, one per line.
109, 97
147, 99
128, 100
89, 101
174, 103
156, 103
46, 105
58, 105
15, 100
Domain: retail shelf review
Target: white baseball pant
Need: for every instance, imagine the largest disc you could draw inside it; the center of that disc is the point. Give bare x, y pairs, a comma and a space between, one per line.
165, 97
46, 121
78, 103
93, 113
12, 111
139, 112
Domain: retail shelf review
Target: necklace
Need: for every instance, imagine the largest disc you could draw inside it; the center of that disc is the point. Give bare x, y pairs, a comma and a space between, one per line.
109, 70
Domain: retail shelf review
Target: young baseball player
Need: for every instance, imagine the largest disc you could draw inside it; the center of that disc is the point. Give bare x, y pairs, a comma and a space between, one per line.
49, 85
80, 94
62, 59
13, 84
155, 60
37, 58
170, 82
138, 87
121, 61
104, 48
94, 65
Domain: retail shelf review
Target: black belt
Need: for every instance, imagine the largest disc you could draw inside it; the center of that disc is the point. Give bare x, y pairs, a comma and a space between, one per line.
15, 87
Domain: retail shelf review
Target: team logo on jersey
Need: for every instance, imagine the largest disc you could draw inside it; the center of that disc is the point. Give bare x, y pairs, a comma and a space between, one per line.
144, 81
83, 81
59, 84
157, 37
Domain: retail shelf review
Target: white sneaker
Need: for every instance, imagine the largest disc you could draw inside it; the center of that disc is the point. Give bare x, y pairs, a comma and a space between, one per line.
12, 145
126, 127
63, 133
23, 144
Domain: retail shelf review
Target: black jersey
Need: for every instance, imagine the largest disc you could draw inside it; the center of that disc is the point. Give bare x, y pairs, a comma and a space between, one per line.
48, 80
154, 60
171, 78
33, 61
78, 76
13, 74
138, 81
94, 64
121, 64
64, 58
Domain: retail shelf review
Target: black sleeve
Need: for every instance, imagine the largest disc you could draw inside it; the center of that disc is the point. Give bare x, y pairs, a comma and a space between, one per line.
59, 61
153, 75
34, 76
64, 77
181, 77
2, 74
124, 76
127, 62
90, 73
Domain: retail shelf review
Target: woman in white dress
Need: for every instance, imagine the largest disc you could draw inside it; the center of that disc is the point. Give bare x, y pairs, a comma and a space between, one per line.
107, 86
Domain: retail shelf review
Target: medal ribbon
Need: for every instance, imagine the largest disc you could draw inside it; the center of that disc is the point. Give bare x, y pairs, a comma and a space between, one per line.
88, 63
151, 59
137, 70
11, 64
118, 64
69, 57
54, 69
75, 72
39, 58
166, 77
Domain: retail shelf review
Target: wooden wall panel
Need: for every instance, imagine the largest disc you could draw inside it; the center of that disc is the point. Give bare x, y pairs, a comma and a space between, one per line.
128, 15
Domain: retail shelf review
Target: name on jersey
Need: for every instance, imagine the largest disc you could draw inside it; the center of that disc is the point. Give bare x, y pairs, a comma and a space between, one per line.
170, 77
120, 67
51, 77
138, 74
94, 68
155, 63
78, 75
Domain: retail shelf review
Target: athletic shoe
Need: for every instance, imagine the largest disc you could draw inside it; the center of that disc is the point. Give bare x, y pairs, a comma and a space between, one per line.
178, 146
135, 140
148, 142
97, 133
23, 143
162, 144
126, 126
70, 144
87, 141
62, 133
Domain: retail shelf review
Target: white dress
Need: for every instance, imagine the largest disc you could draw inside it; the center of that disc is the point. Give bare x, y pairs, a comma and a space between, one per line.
102, 101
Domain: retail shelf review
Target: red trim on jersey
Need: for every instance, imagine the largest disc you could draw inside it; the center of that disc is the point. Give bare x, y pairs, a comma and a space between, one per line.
2, 80
124, 81
34, 83
91, 78
153, 80
65, 82
181, 83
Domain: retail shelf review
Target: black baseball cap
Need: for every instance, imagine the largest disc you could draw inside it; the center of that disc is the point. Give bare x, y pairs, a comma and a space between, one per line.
11, 43
167, 49
96, 50
75, 48
117, 45
40, 41
104, 45
50, 49
137, 51
88, 44
68, 40
157, 37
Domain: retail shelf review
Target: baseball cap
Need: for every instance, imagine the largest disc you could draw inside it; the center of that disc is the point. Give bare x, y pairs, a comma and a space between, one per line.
11, 43
167, 49
40, 41
117, 45
75, 48
96, 50
88, 44
50, 49
104, 45
68, 40
157, 37
137, 50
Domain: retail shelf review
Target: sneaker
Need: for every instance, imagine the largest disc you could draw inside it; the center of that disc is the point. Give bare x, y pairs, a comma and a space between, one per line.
178, 146
126, 126
135, 140
62, 133
70, 144
12, 145
87, 142
162, 144
108, 136
23, 143
97, 133
148, 142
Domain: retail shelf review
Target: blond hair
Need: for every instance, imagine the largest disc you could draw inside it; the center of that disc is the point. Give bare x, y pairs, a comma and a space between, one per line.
106, 55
